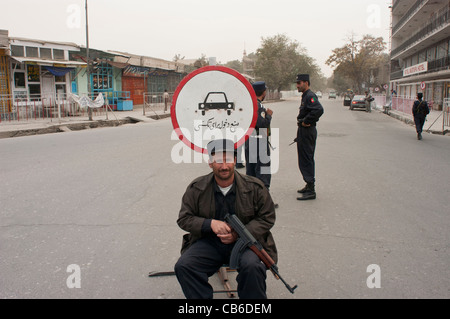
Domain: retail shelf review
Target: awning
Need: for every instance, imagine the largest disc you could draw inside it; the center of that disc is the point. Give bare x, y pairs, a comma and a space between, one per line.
57, 71
119, 65
55, 63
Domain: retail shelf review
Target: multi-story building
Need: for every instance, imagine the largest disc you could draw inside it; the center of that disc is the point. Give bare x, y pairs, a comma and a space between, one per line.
420, 39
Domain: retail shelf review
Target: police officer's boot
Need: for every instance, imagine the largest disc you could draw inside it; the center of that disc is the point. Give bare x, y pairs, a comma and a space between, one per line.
303, 190
308, 192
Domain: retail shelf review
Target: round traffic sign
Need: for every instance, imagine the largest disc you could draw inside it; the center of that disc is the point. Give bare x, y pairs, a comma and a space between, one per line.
213, 102
422, 85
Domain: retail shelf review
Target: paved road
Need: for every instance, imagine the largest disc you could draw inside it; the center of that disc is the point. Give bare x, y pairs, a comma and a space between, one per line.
107, 199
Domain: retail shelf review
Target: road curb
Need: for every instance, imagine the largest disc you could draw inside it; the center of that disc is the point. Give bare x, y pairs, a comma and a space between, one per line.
409, 121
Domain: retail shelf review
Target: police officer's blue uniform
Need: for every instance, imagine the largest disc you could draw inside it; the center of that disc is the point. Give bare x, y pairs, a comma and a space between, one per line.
310, 112
257, 148
420, 111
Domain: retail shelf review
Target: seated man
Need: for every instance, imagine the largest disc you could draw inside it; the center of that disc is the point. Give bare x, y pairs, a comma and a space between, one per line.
206, 202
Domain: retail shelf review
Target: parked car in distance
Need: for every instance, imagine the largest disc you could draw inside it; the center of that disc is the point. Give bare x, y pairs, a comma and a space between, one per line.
358, 101
319, 94
332, 95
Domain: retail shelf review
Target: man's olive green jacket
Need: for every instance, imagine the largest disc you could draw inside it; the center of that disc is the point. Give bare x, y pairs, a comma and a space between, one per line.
254, 207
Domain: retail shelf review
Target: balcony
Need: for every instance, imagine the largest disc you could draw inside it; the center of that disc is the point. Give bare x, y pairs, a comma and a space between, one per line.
431, 31
407, 16
433, 66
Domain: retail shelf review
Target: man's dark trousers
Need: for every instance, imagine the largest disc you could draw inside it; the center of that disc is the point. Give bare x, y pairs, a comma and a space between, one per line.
205, 257
257, 157
419, 120
306, 146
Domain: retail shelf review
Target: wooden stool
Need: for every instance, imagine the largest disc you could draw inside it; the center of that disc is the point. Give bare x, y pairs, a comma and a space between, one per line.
222, 273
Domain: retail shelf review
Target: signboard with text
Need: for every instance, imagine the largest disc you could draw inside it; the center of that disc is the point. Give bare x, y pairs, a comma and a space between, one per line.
415, 69
213, 102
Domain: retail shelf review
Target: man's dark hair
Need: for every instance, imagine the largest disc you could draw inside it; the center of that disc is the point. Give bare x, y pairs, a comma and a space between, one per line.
259, 93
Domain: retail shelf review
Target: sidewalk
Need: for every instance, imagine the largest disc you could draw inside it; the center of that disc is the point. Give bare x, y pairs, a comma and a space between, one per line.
65, 124
434, 123
76, 123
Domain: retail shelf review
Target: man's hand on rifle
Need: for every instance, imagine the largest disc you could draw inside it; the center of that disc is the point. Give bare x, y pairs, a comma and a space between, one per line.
223, 231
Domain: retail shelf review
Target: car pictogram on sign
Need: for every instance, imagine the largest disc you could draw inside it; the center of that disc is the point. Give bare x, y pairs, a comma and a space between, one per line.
217, 101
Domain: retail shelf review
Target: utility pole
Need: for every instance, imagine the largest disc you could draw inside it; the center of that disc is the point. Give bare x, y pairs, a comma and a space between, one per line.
88, 72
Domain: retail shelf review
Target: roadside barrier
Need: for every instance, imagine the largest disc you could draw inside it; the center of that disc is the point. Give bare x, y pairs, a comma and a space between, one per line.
38, 107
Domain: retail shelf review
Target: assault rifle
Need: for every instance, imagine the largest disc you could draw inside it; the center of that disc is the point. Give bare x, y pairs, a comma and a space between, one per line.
245, 240
295, 141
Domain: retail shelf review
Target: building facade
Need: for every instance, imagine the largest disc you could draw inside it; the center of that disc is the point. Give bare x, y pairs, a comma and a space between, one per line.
39, 74
39, 70
5, 104
420, 41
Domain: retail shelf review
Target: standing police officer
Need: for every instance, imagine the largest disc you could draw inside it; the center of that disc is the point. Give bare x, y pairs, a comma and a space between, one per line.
310, 112
257, 151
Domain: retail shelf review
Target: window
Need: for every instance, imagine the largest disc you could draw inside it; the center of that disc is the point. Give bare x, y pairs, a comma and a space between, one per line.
18, 66
34, 81
60, 85
60, 90
33, 73
32, 52
58, 54
46, 53
61, 79
441, 50
422, 56
102, 80
35, 91
19, 80
431, 54
17, 50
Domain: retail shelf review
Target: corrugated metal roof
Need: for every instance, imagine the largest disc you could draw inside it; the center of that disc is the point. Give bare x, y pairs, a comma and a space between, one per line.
38, 61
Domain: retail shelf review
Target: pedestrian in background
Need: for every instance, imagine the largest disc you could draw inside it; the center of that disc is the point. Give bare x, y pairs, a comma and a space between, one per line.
166, 98
369, 100
420, 110
310, 112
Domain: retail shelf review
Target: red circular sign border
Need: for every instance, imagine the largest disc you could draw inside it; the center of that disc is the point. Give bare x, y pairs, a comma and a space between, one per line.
191, 75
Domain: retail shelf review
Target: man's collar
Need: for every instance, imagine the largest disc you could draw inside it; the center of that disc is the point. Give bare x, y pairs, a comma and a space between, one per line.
217, 189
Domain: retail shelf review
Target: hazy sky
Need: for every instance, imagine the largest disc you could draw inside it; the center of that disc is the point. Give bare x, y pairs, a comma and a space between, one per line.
221, 29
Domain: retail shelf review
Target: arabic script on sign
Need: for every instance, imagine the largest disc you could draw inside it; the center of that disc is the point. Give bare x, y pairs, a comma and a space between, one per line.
211, 124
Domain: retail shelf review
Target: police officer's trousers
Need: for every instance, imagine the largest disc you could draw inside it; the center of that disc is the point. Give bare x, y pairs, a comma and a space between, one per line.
306, 146
257, 158
205, 257
419, 120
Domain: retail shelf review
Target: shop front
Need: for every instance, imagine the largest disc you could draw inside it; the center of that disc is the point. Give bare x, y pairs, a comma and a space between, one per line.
40, 71
134, 80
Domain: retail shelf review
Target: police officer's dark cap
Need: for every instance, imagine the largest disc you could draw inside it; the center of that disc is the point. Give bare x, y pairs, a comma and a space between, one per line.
302, 77
259, 86
221, 145
420, 95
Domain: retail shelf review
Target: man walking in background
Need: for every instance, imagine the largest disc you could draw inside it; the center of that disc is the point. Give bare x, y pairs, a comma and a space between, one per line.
420, 111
